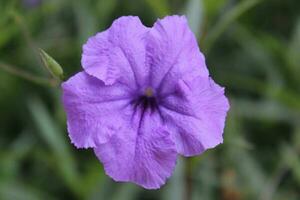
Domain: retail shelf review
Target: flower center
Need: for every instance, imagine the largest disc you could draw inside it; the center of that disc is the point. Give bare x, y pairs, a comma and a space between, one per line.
149, 92
146, 101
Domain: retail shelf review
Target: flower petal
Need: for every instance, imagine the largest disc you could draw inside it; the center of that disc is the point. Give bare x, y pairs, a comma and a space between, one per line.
195, 114
145, 155
117, 53
90, 108
172, 53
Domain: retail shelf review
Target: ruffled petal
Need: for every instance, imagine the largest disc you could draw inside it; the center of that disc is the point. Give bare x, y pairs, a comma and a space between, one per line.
195, 114
91, 107
117, 53
143, 153
172, 53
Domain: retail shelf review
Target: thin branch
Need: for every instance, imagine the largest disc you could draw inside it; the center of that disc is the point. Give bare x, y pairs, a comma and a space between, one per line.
19, 20
28, 76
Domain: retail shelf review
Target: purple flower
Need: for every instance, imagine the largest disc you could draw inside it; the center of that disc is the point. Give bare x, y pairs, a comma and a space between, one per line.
144, 97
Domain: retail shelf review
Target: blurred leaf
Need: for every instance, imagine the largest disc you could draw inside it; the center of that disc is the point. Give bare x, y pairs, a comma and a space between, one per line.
264, 110
286, 194
21, 22
126, 192
271, 187
8, 31
292, 159
18, 191
282, 95
22, 145
258, 52
296, 135
56, 140
93, 180
104, 10
11, 158
194, 13
86, 22
175, 188
104, 189
251, 172
212, 7
293, 53
159, 7
206, 178
226, 20
242, 161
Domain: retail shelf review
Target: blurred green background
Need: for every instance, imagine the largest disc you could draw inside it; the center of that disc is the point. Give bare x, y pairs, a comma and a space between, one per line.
252, 48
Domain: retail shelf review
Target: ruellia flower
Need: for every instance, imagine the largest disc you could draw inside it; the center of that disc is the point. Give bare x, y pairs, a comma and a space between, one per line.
144, 96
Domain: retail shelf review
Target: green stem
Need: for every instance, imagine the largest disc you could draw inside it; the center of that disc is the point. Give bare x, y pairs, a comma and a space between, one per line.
27, 76
19, 20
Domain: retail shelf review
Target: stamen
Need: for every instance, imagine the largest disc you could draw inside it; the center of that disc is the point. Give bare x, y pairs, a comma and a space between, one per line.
149, 92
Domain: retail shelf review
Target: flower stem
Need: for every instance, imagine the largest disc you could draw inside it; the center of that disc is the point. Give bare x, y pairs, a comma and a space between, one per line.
19, 20
28, 76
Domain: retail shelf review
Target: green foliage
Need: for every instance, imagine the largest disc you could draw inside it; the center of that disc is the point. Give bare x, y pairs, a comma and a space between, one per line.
252, 48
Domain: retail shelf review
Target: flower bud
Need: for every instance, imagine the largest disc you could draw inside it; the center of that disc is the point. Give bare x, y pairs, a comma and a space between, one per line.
54, 68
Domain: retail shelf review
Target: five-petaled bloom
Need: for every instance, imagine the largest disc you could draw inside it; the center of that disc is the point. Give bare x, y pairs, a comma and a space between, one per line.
144, 97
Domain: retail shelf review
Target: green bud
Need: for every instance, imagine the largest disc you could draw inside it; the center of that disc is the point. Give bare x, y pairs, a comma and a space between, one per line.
53, 67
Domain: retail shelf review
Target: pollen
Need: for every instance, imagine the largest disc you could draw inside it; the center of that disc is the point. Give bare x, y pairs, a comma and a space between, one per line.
149, 92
